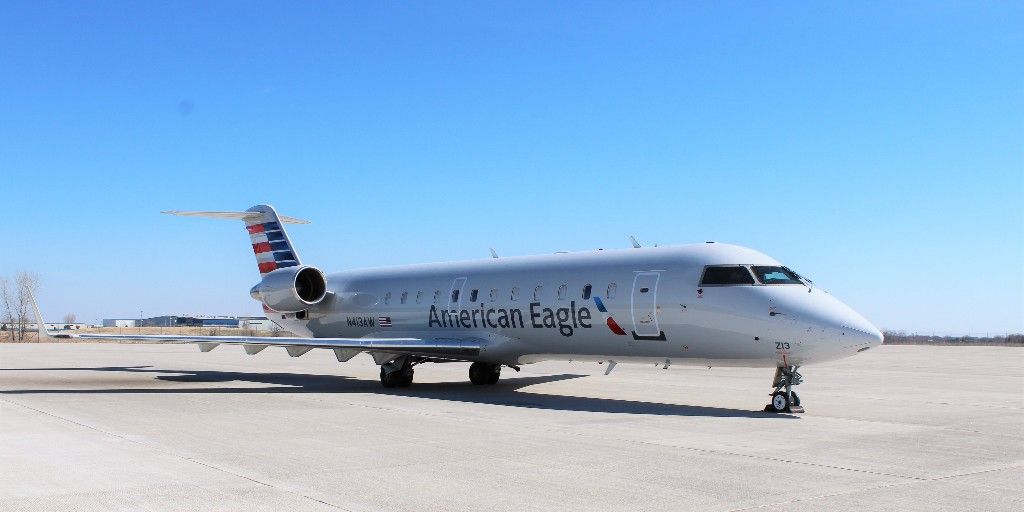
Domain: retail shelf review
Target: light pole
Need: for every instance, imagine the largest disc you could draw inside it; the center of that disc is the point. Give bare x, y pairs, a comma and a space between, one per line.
140, 321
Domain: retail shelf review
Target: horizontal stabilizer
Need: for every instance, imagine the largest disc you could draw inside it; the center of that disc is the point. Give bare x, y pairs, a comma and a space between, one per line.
234, 216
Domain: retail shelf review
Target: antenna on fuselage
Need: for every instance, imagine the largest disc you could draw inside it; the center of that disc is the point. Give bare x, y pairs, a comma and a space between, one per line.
636, 245
493, 253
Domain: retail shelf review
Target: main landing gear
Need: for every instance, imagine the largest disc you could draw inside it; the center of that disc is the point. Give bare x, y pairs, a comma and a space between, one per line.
784, 399
484, 373
397, 373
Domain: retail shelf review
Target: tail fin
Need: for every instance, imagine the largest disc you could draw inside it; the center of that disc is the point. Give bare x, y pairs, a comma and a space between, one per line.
270, 242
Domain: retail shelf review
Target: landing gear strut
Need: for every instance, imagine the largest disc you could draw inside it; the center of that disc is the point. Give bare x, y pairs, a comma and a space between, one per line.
397, 373
484, 373
784, 399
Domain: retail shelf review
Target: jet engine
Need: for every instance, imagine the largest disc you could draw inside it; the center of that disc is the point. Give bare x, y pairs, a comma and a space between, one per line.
291, 289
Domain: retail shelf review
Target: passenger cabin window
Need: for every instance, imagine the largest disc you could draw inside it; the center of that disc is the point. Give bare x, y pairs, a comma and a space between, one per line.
537, 291
612, 287
405, 297
473, 294
515, 294
726, 275
387, 298
455, 296
437, 295
419, 296
775, 275
586, 292
562, 291
494, 294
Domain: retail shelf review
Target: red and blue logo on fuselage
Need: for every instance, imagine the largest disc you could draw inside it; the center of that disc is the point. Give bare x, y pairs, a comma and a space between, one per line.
612, 324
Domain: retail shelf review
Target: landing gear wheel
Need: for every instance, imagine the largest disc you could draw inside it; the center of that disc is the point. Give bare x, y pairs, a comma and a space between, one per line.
396, 378
784, 399
405, 379
387, 379
779, 402
484, 373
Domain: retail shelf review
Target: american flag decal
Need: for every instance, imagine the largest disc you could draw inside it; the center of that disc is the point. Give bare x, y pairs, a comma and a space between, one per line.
384, 321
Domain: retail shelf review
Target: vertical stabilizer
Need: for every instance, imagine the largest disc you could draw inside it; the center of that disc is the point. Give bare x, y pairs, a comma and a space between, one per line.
270, 242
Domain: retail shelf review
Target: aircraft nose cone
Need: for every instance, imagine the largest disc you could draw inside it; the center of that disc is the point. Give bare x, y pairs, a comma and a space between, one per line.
868, 334
838, 321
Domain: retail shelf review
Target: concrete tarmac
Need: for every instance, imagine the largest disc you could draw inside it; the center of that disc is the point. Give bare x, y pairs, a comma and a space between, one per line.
165, 427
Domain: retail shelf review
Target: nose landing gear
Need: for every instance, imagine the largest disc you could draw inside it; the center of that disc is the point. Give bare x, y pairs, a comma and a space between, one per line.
784, 399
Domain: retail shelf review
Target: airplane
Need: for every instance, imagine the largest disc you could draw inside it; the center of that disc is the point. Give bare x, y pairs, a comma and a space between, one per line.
707, 304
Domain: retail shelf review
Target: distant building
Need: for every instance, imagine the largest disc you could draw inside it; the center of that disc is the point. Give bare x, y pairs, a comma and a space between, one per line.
120, 322
190, 321
257, 323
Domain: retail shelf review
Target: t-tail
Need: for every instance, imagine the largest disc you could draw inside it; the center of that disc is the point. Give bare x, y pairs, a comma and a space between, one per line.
270, 242
287, 284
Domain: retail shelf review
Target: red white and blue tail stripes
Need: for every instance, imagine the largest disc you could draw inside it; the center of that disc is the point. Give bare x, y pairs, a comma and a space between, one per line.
271, 246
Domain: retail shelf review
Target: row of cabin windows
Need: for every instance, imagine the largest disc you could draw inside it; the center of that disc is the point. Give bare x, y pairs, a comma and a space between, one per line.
474, 294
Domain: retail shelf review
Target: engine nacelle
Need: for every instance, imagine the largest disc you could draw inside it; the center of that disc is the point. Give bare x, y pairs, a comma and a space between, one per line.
291, 289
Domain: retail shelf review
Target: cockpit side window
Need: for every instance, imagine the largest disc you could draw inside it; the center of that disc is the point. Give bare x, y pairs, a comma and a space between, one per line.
723, 275
775, 275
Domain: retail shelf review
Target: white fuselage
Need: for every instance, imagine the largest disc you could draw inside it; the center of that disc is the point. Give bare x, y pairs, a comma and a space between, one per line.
632, 305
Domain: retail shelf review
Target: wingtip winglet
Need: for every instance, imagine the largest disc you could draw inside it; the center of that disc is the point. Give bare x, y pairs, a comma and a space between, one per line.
40, 324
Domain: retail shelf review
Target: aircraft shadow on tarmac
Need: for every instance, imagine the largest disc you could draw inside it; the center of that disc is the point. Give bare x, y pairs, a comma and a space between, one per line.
508, 392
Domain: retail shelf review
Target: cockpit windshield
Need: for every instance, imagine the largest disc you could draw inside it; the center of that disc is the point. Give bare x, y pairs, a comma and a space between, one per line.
726, 275
775, 275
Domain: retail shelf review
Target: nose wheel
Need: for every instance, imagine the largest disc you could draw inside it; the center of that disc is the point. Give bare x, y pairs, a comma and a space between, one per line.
784, 399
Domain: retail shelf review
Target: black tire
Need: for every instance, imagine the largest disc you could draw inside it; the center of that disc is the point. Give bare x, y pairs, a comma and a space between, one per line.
780, 403
483, 373
476, 374
387, 379
404, 379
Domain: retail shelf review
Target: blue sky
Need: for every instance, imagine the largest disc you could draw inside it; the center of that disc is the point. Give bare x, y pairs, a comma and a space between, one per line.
875, 147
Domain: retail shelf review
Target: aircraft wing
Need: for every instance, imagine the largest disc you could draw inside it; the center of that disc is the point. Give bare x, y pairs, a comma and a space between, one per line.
344, 348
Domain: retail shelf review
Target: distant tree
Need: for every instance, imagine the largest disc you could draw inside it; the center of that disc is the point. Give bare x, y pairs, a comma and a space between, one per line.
7, 303
17, 303
69, 318
27, 283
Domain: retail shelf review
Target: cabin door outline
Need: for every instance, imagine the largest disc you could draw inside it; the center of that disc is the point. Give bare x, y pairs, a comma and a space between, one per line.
644, 306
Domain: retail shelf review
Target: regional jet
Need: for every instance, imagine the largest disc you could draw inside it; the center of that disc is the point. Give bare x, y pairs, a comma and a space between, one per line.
707, 304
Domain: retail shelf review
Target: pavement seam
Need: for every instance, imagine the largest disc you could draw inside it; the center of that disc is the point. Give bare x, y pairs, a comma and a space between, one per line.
873, 488
563, 431
650, 443
172, 454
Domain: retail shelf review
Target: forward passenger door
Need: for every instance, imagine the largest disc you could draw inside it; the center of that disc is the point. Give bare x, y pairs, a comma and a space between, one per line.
644, 307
